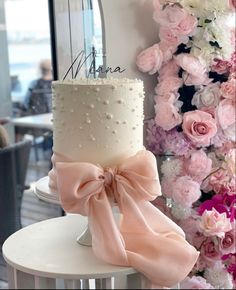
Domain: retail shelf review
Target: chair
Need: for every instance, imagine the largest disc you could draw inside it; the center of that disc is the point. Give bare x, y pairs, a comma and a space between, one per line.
13, 167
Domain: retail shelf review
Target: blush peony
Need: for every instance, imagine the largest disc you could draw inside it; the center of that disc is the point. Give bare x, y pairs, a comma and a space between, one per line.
167, 116
198, 165
200, 127
185, 191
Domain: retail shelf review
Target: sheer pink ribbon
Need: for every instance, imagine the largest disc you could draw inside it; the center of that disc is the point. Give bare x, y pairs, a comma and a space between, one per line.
145, 239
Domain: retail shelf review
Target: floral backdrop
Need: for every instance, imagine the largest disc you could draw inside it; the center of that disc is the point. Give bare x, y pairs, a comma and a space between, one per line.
194, 129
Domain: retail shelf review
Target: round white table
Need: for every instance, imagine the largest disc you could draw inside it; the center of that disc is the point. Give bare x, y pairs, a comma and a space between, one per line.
45, 193
46, 255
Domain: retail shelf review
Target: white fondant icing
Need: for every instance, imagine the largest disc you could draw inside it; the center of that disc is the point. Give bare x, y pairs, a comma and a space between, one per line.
95, 120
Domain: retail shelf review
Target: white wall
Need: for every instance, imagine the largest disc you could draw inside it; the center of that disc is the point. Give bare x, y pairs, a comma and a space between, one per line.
129, 29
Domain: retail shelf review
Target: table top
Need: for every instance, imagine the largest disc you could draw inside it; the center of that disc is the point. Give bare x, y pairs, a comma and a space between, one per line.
41, 121
49, 249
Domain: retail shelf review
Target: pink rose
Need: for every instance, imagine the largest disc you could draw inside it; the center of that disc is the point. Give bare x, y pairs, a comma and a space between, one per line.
199, 80
186, 26
150, 60
158, 4
200, 127
196, 80
213, 223
196, 282
210, 251
210, 110
170, 69
229, 187
228, 89
167, 116
233, 65
169, 85
190, 64
227, 244
170, 16
167, 50
227, 149
169, 98
221, 66
198, 165
226, 113
167, 35
185, 191
207, 96
232, 4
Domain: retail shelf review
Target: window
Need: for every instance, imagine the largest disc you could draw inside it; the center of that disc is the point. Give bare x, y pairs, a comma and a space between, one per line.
28, 35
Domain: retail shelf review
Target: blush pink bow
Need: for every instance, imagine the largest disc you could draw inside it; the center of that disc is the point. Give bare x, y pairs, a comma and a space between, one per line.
145, 238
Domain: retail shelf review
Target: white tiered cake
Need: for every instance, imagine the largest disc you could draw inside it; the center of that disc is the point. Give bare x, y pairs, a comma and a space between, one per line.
97, 120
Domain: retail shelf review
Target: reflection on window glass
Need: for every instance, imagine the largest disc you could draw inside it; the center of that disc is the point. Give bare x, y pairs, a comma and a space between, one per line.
98, 34
28, 43
92, 33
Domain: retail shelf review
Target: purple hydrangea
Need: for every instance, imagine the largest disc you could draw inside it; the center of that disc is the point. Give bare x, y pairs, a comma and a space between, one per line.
161, 142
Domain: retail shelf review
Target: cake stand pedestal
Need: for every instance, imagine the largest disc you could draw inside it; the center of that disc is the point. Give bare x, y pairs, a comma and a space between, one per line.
45, 193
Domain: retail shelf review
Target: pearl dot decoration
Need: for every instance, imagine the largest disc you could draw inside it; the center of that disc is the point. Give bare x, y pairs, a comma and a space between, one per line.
91, 108
109, 116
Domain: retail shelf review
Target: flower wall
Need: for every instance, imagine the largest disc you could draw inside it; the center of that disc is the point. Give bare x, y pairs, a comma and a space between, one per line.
194, 125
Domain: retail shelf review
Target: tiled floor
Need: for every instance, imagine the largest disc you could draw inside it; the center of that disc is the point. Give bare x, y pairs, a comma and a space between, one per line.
33, 210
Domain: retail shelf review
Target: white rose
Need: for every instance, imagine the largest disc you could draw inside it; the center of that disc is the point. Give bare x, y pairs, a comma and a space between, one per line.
208, 96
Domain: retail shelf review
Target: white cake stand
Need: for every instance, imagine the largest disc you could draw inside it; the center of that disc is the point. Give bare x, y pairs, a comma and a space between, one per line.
45, 193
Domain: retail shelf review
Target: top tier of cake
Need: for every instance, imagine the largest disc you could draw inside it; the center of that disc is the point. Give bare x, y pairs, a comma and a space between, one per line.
98, 120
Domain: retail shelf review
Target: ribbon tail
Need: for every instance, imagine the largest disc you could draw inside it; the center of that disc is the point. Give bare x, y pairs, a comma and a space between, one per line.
163, 256
107, 241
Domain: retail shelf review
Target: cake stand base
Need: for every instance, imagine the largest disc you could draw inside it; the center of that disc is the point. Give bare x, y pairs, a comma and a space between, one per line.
45, 193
